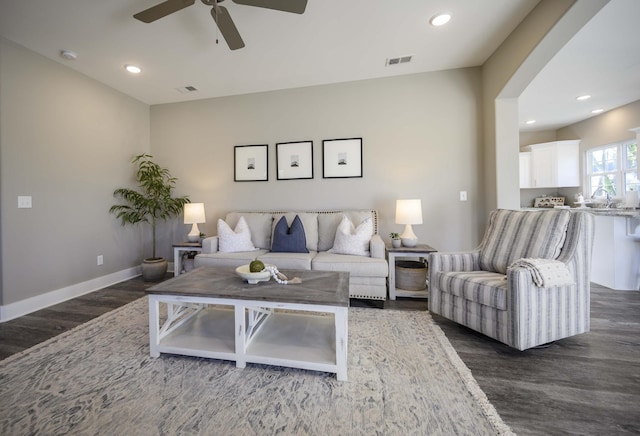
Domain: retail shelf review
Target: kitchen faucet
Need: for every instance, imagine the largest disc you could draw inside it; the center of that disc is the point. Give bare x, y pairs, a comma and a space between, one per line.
609, 199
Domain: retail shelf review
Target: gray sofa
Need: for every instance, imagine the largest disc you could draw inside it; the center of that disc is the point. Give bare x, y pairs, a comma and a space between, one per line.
368, 273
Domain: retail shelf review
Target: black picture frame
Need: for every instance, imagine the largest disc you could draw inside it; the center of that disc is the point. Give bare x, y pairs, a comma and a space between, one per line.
251, 163
341, 158
294, 160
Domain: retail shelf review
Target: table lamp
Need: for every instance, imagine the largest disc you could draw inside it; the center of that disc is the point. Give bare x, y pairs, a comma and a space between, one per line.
194, 214
409, 212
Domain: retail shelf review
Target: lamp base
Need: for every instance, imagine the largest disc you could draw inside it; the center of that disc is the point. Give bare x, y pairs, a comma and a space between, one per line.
406, 242
409, 239
194, 234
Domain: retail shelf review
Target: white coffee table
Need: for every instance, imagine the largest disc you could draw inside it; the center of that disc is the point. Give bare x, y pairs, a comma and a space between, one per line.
211, 312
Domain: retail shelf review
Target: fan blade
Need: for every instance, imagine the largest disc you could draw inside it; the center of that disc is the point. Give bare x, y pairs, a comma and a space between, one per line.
162, 10
294, 6
227, 28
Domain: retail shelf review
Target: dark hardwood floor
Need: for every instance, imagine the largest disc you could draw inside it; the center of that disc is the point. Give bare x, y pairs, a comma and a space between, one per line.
585, 385
28, 330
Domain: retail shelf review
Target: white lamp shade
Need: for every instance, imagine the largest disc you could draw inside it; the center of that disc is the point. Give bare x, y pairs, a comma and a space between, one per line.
409, 211
194, 213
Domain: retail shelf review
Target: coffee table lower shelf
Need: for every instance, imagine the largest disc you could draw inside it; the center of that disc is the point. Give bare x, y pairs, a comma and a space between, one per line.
312, 337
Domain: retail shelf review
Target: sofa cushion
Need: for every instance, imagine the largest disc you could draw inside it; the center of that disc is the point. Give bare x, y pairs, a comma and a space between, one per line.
309, 222
232, 260
289, 239
231, 241
358, 266
259, 224
350, 240
512, 235
288, 260
328, 223
487, 288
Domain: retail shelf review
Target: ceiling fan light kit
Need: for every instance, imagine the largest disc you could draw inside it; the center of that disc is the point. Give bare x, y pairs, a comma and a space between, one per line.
68, 55
220, 14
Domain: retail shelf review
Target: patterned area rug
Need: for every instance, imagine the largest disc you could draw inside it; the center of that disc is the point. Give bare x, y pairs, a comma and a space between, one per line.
404, 378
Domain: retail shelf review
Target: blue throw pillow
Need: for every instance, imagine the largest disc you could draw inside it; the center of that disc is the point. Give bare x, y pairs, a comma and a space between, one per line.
289, 240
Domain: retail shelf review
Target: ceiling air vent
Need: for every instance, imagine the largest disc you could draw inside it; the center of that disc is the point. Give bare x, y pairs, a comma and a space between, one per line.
187, 89
399, 60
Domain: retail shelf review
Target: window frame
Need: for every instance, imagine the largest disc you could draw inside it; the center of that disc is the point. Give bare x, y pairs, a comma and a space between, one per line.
620, 173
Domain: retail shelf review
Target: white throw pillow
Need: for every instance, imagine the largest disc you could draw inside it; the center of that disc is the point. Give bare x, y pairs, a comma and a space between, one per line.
350, 240
230, 241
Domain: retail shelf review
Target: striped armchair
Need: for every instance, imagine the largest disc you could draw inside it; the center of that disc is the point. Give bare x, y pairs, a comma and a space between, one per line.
486, 291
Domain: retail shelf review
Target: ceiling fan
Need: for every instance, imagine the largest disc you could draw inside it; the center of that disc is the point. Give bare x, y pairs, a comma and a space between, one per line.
220, 14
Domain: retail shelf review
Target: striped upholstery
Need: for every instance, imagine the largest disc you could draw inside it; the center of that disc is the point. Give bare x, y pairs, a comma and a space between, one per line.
513, 235
484, 287
509, 307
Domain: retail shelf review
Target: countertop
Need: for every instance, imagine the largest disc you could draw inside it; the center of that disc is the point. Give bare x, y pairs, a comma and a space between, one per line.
612, 212
623, 212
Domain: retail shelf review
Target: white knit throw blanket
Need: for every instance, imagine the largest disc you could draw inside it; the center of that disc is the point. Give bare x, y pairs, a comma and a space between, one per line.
546, 273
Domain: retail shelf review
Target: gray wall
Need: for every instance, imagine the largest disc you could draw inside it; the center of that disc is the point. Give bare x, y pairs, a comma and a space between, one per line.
421, 135
66, 140
606, 128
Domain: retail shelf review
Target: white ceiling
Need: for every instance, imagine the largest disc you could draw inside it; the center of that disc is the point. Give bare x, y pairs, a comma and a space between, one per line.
602, 60
333, 41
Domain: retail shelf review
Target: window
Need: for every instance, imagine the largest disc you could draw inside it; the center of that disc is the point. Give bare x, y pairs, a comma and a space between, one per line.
613, 167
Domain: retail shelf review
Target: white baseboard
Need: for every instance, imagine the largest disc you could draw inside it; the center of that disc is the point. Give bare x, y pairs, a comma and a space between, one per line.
23, 307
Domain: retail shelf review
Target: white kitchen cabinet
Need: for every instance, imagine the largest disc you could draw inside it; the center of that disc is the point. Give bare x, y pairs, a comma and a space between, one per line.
525, 170
554, 164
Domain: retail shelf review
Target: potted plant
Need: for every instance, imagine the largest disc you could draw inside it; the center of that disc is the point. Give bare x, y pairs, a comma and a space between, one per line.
395, 240
151, 203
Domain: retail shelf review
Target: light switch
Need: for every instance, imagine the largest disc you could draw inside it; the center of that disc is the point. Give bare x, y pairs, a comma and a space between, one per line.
463, 195
24, 202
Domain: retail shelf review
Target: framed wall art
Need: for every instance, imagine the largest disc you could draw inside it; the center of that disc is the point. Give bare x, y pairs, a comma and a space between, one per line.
251, 163
294, 160
342, 158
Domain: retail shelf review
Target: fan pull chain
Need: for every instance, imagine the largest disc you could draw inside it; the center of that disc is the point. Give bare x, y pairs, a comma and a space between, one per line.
217, 11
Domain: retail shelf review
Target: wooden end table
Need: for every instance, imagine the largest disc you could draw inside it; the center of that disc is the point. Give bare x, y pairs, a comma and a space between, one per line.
178, 249
420, 251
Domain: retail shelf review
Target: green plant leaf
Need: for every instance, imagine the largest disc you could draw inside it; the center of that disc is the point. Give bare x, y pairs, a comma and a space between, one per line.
153, 201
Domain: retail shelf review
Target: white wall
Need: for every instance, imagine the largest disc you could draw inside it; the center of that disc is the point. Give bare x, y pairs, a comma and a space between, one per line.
66, 140
421, 136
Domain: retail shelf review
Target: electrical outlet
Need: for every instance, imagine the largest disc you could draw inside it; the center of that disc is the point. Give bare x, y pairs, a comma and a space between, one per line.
100, 260
463, 195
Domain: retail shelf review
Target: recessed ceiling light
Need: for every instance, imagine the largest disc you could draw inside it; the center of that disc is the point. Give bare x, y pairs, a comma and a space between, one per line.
530, 121
133, 69
440, 19
583, 97
597, 111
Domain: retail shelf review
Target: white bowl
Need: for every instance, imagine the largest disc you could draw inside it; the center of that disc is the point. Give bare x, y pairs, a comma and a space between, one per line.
252, 277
